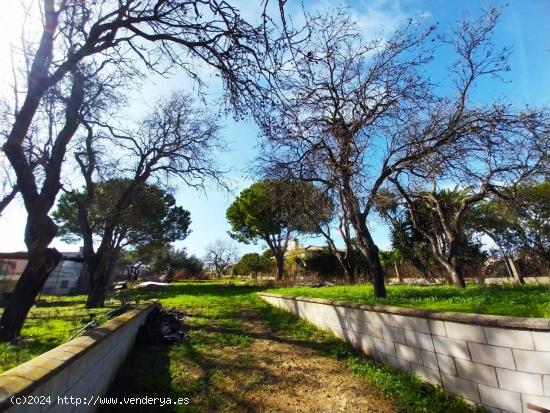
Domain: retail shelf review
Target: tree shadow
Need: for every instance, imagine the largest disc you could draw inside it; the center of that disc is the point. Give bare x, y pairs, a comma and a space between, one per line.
192, 370
197, 290
154, 371
41, 303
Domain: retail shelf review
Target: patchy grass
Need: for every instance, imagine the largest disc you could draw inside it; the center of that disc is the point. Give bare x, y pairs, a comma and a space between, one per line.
245, 355
51, 321
509, 300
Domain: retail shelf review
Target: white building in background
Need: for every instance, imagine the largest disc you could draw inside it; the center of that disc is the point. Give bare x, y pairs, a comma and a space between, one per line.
67, 278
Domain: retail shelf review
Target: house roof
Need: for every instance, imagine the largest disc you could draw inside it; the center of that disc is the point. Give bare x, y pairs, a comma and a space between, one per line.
23, 255
13, 255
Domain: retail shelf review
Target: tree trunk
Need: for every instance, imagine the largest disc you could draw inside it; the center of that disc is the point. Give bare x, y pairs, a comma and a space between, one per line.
100, 275
348, 269
397, 273
369, 249
42, 261
40, 229
377, 272
96, 294
455, 272
457, 277
453, 266
364, 240
516, 274
280, 258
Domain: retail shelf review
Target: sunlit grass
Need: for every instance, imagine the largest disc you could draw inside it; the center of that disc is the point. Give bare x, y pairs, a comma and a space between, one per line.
509, 300
198, 367
51, 322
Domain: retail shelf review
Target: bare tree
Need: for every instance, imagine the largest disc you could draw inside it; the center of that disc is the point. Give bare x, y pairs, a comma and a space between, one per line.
356, 113
331, 124
478, 148
219, 256
499, 151
40, 229
176, 140
325, 214
8, 189
160, 34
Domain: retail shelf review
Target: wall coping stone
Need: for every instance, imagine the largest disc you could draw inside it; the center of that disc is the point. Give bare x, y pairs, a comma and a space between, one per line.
25, 378
538, 324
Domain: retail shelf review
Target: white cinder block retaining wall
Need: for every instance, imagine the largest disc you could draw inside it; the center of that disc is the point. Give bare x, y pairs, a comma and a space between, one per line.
502, 363
82, 368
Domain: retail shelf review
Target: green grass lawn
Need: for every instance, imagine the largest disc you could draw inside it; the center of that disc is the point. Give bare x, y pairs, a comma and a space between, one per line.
219, 351
221, 339
510, 300
50, 323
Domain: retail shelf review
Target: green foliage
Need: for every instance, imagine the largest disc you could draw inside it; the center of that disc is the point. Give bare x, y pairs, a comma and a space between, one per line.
166, 259
324, 263
519, 223
152, 217
411, 245
274, 208
511, 300
253, 264
390, 257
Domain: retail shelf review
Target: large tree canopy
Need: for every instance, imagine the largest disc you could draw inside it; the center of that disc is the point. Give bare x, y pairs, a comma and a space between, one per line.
421, 226
152, 217
253, 264
518, 222
274, 211
177, 139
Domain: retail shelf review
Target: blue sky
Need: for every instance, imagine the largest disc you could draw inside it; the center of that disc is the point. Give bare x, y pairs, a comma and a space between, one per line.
525, 26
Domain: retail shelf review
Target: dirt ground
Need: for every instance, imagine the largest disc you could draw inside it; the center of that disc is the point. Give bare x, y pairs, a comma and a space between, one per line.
304, 381
247, 368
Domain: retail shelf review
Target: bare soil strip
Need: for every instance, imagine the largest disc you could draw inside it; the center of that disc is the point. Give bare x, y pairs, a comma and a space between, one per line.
245, 369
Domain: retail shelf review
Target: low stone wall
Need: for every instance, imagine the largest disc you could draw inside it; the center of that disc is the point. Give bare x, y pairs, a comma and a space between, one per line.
82, 368
537, 280
502, 363
527, 280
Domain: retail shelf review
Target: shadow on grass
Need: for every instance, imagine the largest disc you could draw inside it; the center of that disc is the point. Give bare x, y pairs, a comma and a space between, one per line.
46, 303
13, 355
219, 334
184, 372
197, 290
220, 325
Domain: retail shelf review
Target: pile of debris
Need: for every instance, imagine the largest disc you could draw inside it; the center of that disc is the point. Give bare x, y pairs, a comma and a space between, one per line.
163, 326
316, 284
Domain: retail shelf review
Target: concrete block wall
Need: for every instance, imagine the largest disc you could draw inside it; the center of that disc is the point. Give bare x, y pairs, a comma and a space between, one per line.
508, 280
81, 368
501, 363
